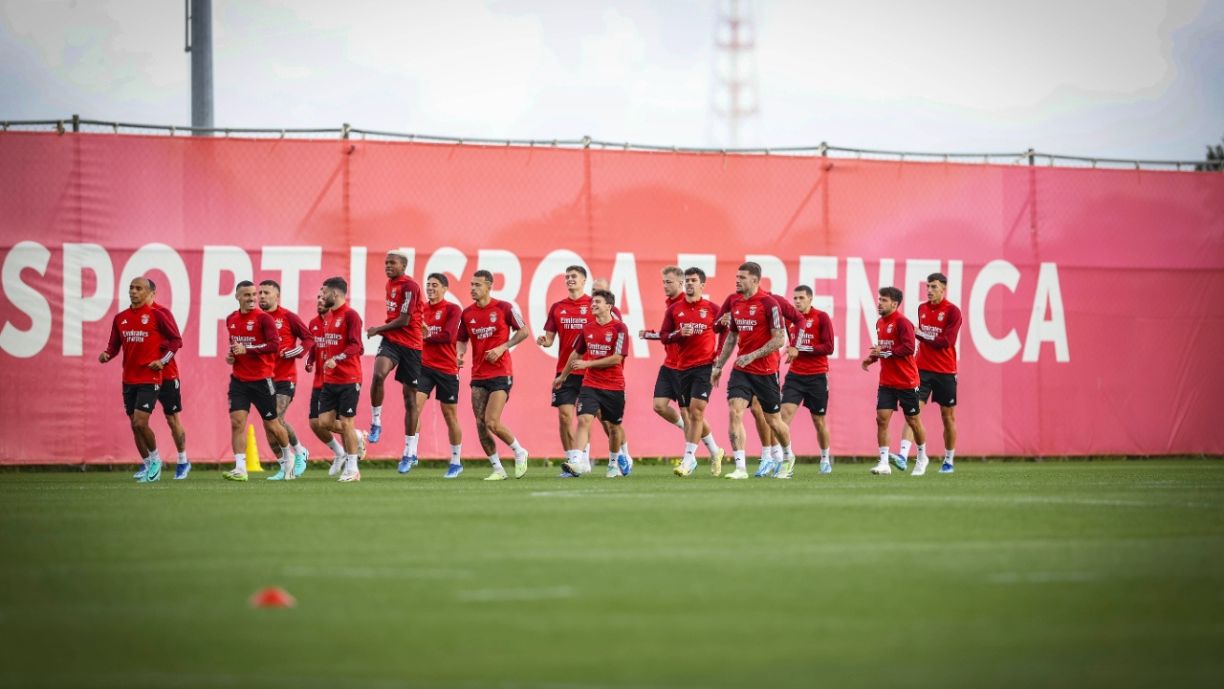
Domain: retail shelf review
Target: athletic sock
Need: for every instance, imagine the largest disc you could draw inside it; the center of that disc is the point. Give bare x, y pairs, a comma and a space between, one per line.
776, 452
625, 449
710, 443
612, 458
335, 447
514, 445
884, 454
350, 463
586, 453
457, 454
922, 451
299, 448
182, 458
905, 448
789, 452
740, 461
949, 455
679, 422
824, 454
376, 415
495, 461
287, 459
690, 453
410, 445
154, 456
240, 461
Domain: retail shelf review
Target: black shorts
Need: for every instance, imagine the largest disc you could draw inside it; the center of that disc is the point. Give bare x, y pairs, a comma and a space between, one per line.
285, 387
940, 385
315, 394
170, 397
407, 361
609, 405
889, 398
764, 387
811, 391
446, 385
261, 393
341, 398
502, 383
139, 397
695, 384
568, 392
667, 384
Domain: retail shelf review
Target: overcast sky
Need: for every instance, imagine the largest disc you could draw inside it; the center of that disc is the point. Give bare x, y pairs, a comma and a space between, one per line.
1124, 78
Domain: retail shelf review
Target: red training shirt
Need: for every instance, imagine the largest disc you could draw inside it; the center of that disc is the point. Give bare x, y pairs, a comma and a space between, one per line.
696, 349
404, 297
171, 371
145, 334
342, 342
256, 331
938, 326
566, 318
895, 335
487, 327
754, 318
814, 340
598, 341
442, 319
295, 341
312, 357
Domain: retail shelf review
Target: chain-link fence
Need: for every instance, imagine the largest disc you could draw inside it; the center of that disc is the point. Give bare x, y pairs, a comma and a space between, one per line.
346, 131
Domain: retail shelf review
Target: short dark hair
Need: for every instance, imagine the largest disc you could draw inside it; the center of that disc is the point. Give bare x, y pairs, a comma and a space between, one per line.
152, 285
337, 283
576, 269
696, 271
439, 277
244, 283
804, 288
938, 277
752, 268
892, 293
484, 275
270, 283
605, 295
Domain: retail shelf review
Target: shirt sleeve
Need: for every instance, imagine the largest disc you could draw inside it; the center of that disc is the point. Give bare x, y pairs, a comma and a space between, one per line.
271, 343
622, 340
579, 343
904, 344
172, 341
352, 339
550, 325
462, 335
513, 318
116, 340
302, 333
450, 329
951, 329
668, 332
825, 346
722, 311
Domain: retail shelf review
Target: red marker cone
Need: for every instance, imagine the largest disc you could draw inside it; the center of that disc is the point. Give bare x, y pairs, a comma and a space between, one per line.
272, 597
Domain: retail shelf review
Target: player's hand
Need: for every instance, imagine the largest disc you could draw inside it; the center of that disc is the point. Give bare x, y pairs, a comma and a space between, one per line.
558, 381
494, 354
459, 362
792, 353
103, 358
238, 349
687, 330
424, 329
581, 365
744, 360
371, 331
715, 374
229, 358
866, 364
309, 366
542, 341
156, 365
725, 321
330, 365
874, 351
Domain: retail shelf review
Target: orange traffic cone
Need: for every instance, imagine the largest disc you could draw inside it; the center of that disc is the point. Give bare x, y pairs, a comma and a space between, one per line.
272, 597
252, 451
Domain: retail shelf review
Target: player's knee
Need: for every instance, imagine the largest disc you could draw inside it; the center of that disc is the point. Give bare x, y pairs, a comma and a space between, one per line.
661, 406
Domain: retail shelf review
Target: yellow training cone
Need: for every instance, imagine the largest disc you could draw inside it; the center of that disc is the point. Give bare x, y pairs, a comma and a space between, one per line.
252, 450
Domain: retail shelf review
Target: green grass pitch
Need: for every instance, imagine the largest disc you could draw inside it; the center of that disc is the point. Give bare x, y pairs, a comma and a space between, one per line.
1077, 574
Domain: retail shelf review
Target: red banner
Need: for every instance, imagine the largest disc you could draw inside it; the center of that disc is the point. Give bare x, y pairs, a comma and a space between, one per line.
1090, 297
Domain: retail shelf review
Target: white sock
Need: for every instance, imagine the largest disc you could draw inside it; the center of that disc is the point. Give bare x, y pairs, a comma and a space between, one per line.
410, 444
824, 454
518, 449
789, 452
949, 455
884, 455
922, 451
154, 456
586, 453
612, 458
495, 461
690, 453
905, 448
710, 443
350, 463
456, 454
240, 461
336, 448
376, 415
679, 422
574, 457
777, 453
299, 448
740, 461
182, 458
625, 449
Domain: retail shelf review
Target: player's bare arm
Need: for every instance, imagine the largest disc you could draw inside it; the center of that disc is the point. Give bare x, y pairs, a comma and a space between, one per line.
728, 347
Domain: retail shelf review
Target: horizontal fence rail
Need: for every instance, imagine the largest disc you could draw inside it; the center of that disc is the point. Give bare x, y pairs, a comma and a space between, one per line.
77, 124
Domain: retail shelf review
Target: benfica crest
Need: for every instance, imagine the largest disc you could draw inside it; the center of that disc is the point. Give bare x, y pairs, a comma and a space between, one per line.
890, 327
703, 312
437, 315
144, 319
279, 323
752, 310
250, 326
607, 337
941, 317
581, 310
492, 318
338, 322
809, 323
393, 291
